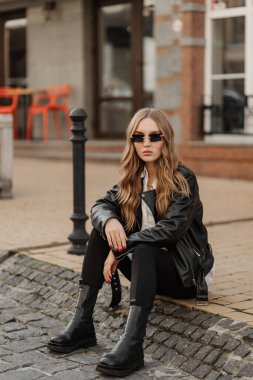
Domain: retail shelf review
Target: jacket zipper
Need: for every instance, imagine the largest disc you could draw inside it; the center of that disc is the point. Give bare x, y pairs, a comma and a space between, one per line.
193, 277
196, 252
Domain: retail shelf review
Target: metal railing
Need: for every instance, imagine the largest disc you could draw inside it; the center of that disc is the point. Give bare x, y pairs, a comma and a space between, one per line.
229, 118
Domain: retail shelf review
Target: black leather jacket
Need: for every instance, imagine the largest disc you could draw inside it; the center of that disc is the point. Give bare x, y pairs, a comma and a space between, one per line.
181, 224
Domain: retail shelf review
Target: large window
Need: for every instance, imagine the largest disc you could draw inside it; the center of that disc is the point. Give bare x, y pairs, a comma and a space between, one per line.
228, 87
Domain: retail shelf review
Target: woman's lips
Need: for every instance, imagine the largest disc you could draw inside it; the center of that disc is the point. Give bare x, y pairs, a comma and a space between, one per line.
146, 152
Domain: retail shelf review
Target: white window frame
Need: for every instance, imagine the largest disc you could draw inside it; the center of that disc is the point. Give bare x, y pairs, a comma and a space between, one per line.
210, 15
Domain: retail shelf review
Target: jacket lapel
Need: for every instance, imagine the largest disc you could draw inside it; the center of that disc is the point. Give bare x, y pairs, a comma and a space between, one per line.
149, 198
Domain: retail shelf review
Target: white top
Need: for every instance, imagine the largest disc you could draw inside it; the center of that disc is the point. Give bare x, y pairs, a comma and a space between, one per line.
147, 216
148, 221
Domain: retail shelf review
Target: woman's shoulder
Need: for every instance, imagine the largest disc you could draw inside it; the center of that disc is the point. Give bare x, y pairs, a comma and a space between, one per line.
185, 170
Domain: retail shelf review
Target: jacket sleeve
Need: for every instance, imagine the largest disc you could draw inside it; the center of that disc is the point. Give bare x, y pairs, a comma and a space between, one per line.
104, 209
171, 228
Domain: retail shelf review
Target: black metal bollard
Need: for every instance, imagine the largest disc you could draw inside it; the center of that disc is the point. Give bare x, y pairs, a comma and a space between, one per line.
79, 236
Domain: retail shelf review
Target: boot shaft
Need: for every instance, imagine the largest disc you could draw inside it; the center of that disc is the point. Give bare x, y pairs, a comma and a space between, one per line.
137, 323
87, 297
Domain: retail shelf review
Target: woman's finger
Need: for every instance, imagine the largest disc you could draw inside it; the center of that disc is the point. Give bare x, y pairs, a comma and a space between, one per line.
107, 273
106, 276
123, 239
114, 266
109, 239
118, 241
114, 240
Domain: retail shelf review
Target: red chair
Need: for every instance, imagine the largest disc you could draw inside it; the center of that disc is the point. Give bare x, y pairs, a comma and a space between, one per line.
11, 107
54, 100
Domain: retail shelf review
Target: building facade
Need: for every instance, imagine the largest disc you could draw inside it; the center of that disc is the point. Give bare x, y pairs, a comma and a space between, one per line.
192, 58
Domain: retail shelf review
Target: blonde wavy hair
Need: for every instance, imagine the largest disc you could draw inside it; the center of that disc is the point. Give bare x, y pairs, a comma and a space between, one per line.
169, 181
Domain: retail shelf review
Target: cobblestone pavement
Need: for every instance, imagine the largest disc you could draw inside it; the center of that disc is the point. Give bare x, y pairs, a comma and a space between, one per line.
35, 302
37, 299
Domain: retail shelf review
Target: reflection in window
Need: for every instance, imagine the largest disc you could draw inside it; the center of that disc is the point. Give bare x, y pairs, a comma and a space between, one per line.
228, 106
115, 50
223, 4
115, 116
228, 45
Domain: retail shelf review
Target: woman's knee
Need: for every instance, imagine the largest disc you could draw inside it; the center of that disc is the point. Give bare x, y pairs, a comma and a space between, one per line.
145, 251
95, 234
97, 239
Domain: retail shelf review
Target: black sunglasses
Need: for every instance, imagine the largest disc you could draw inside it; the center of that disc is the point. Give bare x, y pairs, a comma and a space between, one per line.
153, 137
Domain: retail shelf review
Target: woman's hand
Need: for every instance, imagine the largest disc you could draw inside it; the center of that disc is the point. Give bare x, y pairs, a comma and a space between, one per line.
110, 267
115, 234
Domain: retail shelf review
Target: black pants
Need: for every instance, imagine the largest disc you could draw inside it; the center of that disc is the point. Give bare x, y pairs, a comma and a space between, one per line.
151, 271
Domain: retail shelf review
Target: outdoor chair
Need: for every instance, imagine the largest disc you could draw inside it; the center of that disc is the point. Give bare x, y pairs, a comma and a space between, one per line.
55, 100
8, 106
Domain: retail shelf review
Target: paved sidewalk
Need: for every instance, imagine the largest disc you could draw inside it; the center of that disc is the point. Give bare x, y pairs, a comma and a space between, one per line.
38, 216
36, 224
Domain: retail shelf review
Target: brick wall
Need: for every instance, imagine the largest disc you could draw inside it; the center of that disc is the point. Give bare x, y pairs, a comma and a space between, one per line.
219, 161
180, 32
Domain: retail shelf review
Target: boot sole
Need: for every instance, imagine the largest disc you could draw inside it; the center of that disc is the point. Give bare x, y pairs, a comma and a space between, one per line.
120, 372
77, 346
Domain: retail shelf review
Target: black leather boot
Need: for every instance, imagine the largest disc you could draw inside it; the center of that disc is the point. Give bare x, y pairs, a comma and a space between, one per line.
127, 356
80, 332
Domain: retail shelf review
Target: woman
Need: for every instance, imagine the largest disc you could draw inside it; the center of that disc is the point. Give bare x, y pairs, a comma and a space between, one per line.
149, 226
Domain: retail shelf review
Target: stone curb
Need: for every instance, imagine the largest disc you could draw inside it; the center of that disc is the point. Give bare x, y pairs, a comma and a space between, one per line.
203, 345
4, 255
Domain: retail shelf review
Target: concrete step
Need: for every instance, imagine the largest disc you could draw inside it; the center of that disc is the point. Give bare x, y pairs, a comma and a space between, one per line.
95, 150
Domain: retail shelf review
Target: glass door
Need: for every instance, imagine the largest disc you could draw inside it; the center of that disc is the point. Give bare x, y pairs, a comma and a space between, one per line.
125, 63
115, 58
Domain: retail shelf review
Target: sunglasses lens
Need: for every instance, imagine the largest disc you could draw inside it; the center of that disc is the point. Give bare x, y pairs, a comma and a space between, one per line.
137, 138
154, 137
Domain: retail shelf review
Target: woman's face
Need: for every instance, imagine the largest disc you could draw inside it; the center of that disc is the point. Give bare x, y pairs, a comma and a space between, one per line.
147, 150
